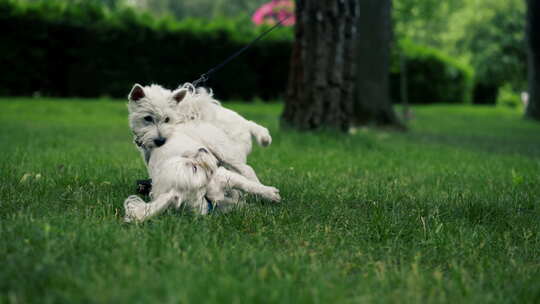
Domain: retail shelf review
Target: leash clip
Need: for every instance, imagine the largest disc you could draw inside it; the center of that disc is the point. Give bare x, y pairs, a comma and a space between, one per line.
202, 79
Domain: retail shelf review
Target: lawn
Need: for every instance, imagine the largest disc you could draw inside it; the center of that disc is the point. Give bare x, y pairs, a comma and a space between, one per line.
447, 212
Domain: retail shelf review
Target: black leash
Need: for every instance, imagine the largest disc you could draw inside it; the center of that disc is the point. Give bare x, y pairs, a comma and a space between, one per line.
204, 77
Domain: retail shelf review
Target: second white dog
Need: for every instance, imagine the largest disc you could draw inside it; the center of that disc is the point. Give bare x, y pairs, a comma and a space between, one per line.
185, 174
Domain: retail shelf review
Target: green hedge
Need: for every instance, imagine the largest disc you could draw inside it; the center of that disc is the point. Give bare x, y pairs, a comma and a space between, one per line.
431, 75
83, 50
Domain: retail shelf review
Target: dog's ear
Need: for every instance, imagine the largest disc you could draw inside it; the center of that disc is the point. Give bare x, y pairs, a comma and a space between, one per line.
137, 93
179, 95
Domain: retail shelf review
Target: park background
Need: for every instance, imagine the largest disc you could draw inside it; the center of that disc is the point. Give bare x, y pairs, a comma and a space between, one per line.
444, 210
456, 51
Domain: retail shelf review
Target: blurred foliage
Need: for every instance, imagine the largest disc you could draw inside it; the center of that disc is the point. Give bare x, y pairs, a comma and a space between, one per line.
81, 49
86, 50
488, 34
507, 97
425, 21
494, 41
181, 9
430, 75
206, 9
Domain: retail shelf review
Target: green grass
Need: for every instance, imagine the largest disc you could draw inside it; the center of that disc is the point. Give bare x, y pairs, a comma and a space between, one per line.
448, 212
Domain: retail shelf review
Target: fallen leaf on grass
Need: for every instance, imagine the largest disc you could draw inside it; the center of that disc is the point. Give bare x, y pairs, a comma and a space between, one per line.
30, 176
25, 177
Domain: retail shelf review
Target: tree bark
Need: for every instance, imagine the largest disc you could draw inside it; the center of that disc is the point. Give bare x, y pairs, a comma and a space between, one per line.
321, 76
533, 39
373, 105
323, 82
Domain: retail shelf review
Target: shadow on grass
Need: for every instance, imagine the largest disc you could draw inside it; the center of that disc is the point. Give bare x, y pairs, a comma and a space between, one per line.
528, 146
480, 129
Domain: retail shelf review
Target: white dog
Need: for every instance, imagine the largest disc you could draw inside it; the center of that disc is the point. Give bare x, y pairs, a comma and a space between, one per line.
199, 104
171, 129
153, 109
185, 174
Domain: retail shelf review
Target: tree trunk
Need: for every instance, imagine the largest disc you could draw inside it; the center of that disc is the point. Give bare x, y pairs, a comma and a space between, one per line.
323, 81
533, 37
373, 105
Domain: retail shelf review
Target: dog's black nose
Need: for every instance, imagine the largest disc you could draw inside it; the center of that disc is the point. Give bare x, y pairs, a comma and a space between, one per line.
203, 150
160, 141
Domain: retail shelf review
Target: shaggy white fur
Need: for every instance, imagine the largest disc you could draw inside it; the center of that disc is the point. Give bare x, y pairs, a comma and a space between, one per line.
199, 104
153, 109
184, 135
185, 175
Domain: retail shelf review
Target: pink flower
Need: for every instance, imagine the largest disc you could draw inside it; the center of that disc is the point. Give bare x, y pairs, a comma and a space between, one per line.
274, 11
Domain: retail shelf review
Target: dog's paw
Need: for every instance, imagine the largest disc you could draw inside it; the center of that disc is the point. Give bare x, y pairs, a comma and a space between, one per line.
263, 137
135, 209
271, 194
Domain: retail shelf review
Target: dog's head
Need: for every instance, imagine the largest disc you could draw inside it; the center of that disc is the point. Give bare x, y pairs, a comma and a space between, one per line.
198, 169
188, 174
152, 114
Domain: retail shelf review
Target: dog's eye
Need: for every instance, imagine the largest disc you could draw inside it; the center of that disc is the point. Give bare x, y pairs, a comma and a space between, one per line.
148, 118
194, 169
167, 120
